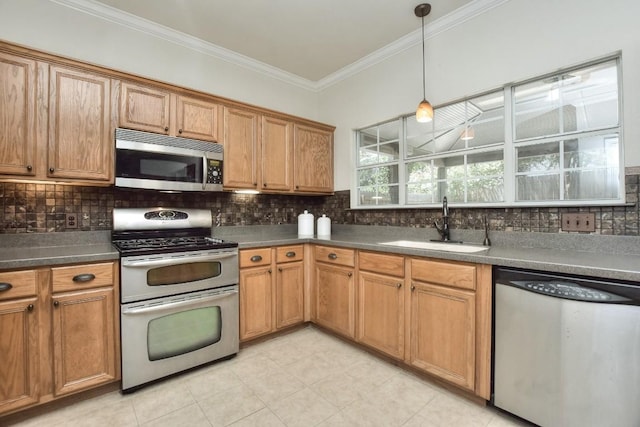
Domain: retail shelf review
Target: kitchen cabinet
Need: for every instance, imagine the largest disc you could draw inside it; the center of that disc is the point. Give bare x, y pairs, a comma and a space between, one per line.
268, 301
444, 322
80, 129
381, 302
334, 287
241, 149
312, 160
19, 314
158, 110
276, 148
60, 329
84, 332
289, 287
17, 115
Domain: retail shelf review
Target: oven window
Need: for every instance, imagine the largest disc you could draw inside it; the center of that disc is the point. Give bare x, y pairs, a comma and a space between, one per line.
183, 332
183, 273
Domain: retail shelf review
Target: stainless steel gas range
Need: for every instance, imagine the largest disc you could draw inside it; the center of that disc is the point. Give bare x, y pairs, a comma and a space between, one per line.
179, 292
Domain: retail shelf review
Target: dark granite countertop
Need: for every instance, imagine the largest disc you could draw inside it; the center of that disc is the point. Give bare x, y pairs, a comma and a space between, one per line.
610, 257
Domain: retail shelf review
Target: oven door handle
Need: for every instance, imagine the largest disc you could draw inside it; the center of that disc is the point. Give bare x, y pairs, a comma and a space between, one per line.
176, 260
177, 304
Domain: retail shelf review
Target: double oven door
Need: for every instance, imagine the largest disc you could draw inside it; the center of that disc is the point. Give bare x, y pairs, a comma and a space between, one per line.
178, 311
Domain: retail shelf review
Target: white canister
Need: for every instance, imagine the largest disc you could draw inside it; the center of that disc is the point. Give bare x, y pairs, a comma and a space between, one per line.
305, 225
324, 227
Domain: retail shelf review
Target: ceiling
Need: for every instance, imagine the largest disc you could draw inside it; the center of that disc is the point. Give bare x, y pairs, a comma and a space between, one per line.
307, 40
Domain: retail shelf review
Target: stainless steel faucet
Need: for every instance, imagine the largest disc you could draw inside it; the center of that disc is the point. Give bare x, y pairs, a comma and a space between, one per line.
443, 229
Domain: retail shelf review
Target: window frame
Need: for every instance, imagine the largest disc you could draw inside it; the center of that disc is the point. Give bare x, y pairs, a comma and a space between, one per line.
509, 151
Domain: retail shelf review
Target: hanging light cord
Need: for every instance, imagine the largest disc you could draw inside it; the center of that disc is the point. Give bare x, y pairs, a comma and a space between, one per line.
424, 90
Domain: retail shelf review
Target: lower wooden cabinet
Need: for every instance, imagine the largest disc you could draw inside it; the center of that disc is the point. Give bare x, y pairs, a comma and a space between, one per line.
271, 290
59, 332
443, 333
18, 353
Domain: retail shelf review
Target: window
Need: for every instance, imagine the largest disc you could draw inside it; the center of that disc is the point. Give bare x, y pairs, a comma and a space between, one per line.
557, 143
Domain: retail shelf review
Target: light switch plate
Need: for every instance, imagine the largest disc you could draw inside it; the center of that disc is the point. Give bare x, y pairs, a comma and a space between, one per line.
584, 222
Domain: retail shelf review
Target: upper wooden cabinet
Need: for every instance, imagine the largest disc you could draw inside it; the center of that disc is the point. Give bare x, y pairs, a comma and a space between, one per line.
312, 160
156, 110
277, 146
241, 149
17, 115
80, 128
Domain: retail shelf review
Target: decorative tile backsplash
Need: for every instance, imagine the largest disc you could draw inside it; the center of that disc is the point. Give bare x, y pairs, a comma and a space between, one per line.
30, 208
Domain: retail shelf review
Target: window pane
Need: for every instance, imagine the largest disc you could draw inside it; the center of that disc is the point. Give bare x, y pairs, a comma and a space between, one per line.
578, 100
592, 151
592, 184
378, 195
419, 138
538, 158
419, 183
538, 187
485, 190
486, 177
378, 175
379, 144
450, 173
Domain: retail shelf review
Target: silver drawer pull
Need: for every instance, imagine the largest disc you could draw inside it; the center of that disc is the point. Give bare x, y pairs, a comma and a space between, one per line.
83, 278
332, 256
5, 286
256, 258
290, 254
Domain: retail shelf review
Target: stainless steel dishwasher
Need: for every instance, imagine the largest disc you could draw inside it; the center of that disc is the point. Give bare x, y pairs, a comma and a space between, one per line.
566, 349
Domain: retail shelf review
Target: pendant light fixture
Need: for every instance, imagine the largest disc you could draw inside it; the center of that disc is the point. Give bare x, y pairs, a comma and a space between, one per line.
424, 113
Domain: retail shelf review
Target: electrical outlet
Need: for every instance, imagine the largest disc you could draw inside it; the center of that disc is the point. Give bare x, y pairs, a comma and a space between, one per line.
71, 220
585, 222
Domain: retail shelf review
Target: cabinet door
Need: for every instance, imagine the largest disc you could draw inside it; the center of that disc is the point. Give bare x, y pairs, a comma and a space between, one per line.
197, 119
17, 115
313, 160
335, 298
289, 294
443, 332
276, 154
381, 313
144, 108
256, 311
83, 340
240, 149
18, 354
80, 129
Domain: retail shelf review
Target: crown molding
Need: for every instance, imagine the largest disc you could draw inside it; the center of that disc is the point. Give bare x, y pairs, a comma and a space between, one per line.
119, 17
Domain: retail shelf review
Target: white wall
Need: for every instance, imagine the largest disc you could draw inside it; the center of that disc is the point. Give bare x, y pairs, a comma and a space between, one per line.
57, 29
515, 41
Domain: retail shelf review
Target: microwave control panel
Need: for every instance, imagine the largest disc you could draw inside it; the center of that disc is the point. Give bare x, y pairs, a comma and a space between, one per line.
214, 171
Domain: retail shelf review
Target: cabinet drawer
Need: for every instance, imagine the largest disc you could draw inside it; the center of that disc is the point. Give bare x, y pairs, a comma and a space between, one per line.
444, 273
338, 256
17, 284
391, 265
78, 277
289, 253
255, 257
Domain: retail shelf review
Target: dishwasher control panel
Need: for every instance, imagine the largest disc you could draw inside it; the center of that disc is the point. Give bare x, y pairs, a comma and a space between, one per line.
568, 290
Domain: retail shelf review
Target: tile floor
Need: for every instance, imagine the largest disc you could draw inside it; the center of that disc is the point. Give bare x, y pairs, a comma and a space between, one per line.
306, 378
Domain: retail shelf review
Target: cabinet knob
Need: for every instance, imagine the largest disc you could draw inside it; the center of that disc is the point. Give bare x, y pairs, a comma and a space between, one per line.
279, 268
51, 170
166, 128
297, 187
399, 285
5, 287
269, 271
56, 303
180, 131
349, 274
29, 168
413, 288
30, 307
332, 256
256, 258
264, 185
255, 184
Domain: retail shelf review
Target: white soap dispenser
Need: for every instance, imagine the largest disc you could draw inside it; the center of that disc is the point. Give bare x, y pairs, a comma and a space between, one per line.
324, 227
305, 225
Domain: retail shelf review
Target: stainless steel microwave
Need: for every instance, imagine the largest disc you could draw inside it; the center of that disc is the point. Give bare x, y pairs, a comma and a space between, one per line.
160, 162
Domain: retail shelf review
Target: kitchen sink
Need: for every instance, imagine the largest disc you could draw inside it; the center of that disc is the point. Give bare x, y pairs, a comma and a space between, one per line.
437, 246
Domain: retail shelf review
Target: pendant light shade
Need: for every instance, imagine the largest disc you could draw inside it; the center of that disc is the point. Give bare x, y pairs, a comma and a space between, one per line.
424, 113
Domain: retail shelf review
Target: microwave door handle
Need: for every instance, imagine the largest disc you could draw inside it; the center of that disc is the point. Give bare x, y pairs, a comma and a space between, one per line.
176, 304
204, 170
176, 260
